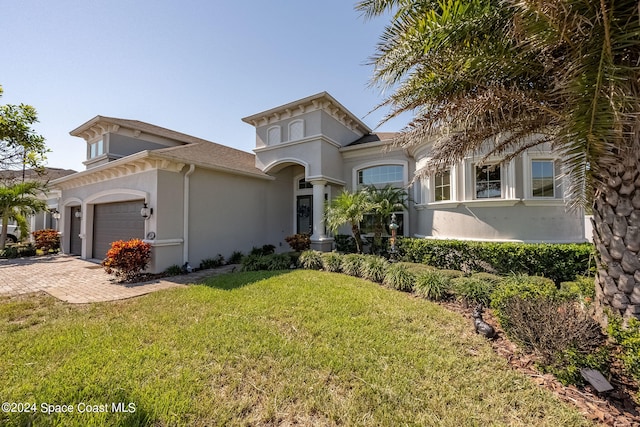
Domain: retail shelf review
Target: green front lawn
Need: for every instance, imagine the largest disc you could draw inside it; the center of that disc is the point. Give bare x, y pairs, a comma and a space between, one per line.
263, 348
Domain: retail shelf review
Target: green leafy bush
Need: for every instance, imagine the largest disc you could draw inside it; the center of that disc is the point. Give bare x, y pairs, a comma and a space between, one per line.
398, 276
47, 240
345, 244
127, 259
472, 290
212, 262
332, 262
374, 268
257, 262
263, 250
310, 260
519, 285
173, 270
416, 268
559, 262
628, 338
559, 331
235, 258
18, 251
582, 289
353, 265
432, 285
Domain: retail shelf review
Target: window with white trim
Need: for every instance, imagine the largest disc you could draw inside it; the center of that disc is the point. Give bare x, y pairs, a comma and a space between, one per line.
488, 183
543, 182
384, 174
442, 186
96, 149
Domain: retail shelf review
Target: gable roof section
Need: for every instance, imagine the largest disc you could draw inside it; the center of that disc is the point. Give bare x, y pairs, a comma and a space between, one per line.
374, 137
102, 124
214, 156
47, 174
320, 101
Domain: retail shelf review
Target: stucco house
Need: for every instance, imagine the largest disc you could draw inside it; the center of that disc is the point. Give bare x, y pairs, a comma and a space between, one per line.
204, 198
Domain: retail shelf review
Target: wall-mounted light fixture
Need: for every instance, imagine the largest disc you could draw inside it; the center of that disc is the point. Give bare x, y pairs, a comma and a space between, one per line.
55, 214
146, 211
78, 214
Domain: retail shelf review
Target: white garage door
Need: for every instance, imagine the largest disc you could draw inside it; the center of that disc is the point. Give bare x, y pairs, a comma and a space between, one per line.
116, 221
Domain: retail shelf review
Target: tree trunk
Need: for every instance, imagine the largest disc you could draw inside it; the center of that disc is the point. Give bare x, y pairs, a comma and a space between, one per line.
3, 232
616, 236
356, 235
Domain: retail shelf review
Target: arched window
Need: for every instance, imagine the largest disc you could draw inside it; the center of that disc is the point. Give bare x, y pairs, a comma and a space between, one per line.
273, 135
296, 130
383, 174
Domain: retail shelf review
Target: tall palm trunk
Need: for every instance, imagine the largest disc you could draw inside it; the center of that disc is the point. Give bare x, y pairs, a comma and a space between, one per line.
3, 232
616, 221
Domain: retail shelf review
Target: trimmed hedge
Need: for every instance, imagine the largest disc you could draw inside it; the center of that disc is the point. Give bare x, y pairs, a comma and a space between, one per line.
559, 262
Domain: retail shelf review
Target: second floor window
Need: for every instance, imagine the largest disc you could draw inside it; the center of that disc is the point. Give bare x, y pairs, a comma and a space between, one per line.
96, 149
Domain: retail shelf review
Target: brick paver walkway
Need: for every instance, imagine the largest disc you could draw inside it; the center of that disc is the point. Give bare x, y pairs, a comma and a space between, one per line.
78, 281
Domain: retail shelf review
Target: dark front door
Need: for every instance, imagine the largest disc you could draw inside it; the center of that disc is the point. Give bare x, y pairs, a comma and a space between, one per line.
304, 209
75, 243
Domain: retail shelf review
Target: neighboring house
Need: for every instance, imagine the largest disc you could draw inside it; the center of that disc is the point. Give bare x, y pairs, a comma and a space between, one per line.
204, 198
41, 220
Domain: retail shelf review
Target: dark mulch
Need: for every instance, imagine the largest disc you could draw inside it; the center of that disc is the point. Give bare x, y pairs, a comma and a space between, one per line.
615, 408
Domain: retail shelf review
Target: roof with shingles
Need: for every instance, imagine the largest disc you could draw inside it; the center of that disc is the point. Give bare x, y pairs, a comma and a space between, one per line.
374, 137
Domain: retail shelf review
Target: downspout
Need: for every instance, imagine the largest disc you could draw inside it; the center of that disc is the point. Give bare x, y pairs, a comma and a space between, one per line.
185, 232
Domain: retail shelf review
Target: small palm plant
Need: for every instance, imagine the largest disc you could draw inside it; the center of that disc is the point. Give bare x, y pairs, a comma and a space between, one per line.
16, 202
349, 208
385, 201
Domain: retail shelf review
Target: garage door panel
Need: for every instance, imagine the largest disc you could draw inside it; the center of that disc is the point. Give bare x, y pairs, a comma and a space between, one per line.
116, 221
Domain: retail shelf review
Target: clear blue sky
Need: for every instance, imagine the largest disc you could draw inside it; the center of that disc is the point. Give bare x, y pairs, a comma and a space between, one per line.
194, 66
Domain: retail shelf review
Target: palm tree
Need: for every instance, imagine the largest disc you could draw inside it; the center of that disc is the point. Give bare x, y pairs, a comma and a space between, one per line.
348, 208
501, 76
385, 201
16, 202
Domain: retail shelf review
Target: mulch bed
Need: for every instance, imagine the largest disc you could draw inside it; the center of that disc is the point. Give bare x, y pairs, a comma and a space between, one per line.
615, 408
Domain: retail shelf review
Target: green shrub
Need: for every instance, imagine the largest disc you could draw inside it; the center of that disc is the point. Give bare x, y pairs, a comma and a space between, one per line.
415, 268
18, 251
257, 262
173, 270
451, 274
212, 262
235, 258
519, 285
559, 262
310, 260
332, 262
398, 276
494, 279
582, 289
299, 242
565, 337
374, 268
345, 244
432, 285
47, 240
127, 259
353, 265
263, 250
628, 338
472, 290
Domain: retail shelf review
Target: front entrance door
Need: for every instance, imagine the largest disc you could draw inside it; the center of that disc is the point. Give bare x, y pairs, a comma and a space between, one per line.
75, 243
304, 209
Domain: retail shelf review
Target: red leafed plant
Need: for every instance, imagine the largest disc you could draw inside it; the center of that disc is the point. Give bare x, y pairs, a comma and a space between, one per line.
299, 242
47, 240
127, 259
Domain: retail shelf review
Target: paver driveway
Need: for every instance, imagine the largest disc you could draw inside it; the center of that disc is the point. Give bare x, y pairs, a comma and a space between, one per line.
78, 281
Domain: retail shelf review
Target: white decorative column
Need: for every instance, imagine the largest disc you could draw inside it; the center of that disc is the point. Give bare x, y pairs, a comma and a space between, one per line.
319, 241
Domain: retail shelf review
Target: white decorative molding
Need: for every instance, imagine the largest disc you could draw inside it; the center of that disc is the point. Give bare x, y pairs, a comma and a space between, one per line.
492, 202
117, 170
300, 141
97, 130
164, 242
